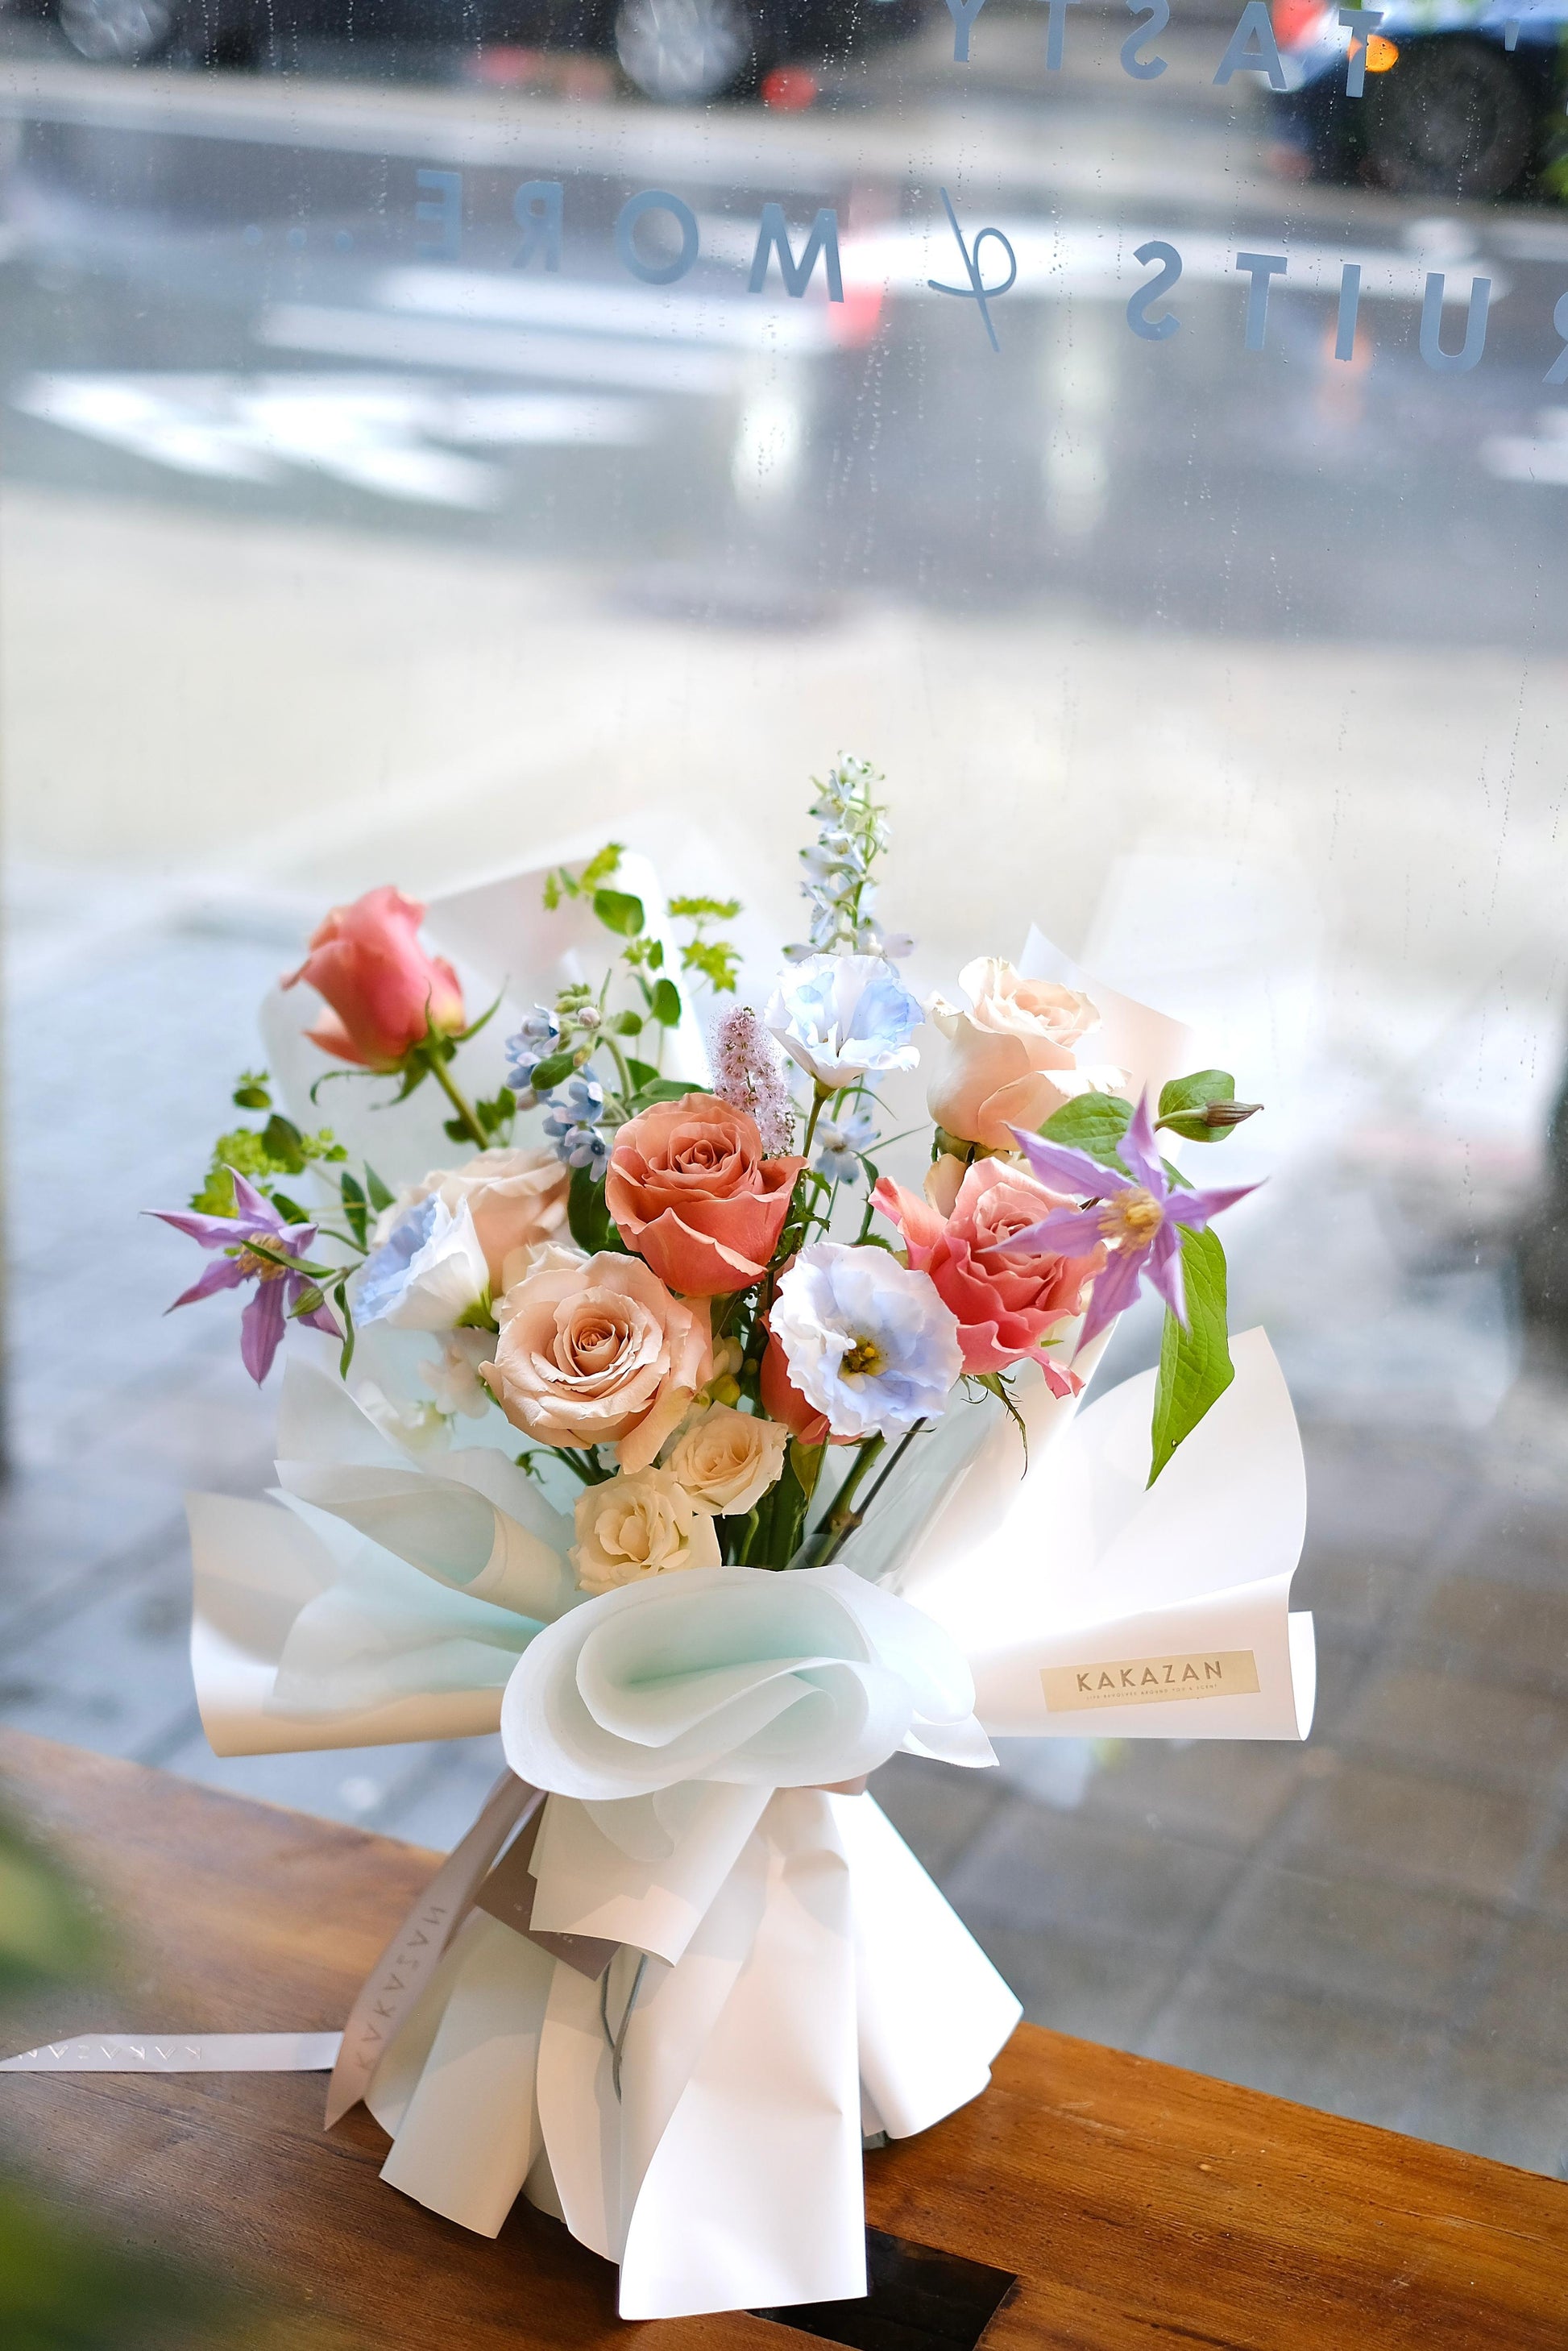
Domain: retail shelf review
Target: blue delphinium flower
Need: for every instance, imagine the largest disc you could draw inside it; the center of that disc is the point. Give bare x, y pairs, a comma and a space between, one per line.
867, 1342
535, 1040
572, 1123
840, 1017
841, 1141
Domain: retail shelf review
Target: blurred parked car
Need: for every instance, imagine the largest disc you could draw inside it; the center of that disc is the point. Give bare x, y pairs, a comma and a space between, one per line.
1461, 98
681, 52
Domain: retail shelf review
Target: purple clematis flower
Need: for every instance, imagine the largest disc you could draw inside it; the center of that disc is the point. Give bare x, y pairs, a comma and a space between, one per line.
1138, 1216
278, 1288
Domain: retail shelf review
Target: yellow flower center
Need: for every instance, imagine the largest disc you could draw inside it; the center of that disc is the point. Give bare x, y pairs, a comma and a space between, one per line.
1132, 1218
864, 1357
265, 1268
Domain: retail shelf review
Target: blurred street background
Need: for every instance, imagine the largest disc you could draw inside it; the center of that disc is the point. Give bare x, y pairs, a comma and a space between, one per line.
338, 546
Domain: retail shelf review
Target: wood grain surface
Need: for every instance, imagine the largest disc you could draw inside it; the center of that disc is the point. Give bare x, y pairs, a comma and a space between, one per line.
1140, 2205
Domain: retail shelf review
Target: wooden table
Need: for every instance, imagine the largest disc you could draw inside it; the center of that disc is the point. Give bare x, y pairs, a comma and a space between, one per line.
1138, 2206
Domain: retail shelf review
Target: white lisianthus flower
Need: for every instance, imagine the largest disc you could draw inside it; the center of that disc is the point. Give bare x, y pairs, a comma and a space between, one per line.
842, 1017
868, 1343
727, 1460
427, 1274
639, 1524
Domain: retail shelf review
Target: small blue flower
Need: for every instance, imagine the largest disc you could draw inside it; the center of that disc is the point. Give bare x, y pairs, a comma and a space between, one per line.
537, 1038
842, 1140
572, 1123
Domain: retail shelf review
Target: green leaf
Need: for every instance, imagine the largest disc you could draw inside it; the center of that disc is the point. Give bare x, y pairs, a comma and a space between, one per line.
341, 1300
1195, 1365
251, 1091
599, 868
667, 1004
456, 1129
282, 1141
380, 1197
290, 1210
619, 911
644, 1075
1091, 1122
593, 1226
699, 910
553, 1070
664, 1089
552, 890
356, 1212
654, 958
1183, 1100
626, 1024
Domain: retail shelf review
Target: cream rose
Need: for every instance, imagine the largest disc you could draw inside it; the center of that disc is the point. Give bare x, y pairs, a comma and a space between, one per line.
599, 1353
639, 1525
728, 1460
517, 1199
1010, 1060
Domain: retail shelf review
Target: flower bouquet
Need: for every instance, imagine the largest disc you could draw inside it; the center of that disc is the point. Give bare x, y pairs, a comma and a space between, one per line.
661, 1426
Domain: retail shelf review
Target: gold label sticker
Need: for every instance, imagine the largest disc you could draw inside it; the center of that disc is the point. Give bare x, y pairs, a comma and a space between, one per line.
1150, 1681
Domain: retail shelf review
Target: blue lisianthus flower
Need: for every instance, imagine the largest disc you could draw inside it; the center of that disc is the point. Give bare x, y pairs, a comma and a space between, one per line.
840, 1142
868, 1343
842, 1017
427, 1274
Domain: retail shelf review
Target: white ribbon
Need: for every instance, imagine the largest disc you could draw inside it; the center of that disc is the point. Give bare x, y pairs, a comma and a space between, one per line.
183, 2053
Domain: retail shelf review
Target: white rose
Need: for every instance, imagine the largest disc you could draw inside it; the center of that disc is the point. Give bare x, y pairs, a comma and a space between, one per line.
728, 1460
640, 1525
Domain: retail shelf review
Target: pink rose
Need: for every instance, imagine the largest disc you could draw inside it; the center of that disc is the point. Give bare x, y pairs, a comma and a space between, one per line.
690, 1191
599, 1353
384, 991
1008, 1303
1010, 1060
517, 1199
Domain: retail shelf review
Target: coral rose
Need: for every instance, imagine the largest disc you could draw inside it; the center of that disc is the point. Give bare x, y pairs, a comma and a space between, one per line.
382, 990
517, 1199
1008, 1303
1010, 1060
630, 1528
691, 1192
599, 1353
728, 1460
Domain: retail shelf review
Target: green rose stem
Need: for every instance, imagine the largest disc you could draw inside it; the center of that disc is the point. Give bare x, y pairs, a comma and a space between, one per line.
431, 1056
843, 1518
855, 1517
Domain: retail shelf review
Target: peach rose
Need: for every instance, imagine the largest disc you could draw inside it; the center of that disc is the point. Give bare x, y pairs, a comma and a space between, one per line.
1008, 1303
382, 990
517, 1199
599, 1353
691, 1192
633, 1527
1009, 1061
728, 1460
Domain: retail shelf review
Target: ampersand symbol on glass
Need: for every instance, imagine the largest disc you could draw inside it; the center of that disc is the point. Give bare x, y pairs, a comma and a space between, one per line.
976, 291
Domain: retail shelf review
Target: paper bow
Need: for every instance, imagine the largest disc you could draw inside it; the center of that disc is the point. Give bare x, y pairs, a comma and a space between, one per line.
735, 1674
